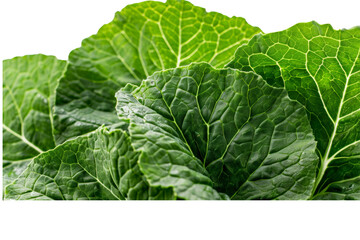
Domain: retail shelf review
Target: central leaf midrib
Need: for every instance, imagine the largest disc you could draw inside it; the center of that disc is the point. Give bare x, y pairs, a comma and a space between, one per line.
174, 121
206, 123
178, 61
326, 160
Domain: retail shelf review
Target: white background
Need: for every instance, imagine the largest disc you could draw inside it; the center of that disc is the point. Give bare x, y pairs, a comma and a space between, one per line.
57, 27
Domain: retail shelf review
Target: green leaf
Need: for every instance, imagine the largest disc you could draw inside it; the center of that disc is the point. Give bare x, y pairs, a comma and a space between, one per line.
320, 68
101, 165
28, 97
198, 123
348, 189
143, 38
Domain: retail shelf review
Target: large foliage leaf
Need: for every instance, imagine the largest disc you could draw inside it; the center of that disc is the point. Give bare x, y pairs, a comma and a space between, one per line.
142, 39
320, 68
101, 165
248, 137
28, 97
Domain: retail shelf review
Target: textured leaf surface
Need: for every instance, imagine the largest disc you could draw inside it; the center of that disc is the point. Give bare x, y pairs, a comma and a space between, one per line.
142, 39
320, 68
165, 160
348, 189
101, 165
28, 97
248, 137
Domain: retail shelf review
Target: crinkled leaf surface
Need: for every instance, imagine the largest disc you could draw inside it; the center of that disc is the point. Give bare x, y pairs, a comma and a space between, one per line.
28, 97
320, 68
98, 166
142, 39
249, 138
165, 159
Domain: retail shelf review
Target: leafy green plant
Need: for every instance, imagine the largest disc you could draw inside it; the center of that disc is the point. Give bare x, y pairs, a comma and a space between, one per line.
186, 134
320, 68
142, 38
155, 106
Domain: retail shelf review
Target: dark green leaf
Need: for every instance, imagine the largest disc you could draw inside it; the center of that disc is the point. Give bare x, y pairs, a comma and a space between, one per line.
101, 165
249, 138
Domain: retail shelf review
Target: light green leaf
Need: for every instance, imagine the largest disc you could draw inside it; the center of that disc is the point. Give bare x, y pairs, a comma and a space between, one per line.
320, 68
101, 165
143, 38
197, 123
28, 97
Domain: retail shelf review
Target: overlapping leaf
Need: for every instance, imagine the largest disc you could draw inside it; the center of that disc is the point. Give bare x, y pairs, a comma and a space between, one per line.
250, 138
320, 68
193, 133
142, 39
28, 97
101, 165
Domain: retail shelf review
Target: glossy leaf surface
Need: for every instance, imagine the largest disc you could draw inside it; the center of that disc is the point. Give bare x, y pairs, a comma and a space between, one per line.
142, 38
248, 137
99, 166
320, 68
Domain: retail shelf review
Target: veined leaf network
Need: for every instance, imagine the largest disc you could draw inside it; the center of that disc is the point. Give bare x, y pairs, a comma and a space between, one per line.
169, 102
